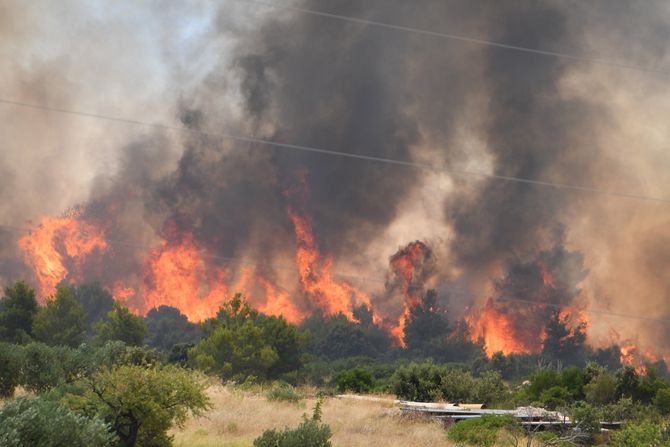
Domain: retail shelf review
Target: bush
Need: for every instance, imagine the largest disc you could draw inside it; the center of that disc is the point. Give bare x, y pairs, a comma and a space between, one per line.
42, 368
10, 368
309, 433
358, 380
662, 401
554, 397
418, 382
480, 432
285, 393
41, 423
634, 435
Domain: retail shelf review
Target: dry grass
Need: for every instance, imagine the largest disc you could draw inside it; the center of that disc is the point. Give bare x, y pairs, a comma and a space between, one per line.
238, 417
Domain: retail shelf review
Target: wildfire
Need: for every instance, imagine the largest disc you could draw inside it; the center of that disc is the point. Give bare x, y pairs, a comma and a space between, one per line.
315, 270
407, 267
502, 331
631, 355
57, 247
176, 274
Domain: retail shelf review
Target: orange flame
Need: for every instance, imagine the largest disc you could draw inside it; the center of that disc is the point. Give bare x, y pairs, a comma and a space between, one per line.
404, 264
176, 275
56, 249
500, 331
314, 271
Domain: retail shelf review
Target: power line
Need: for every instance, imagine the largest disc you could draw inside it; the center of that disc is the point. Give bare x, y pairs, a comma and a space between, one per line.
330, 152
461, 38
453, 292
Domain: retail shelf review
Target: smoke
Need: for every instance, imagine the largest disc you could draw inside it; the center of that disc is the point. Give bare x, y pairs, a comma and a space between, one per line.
291, 77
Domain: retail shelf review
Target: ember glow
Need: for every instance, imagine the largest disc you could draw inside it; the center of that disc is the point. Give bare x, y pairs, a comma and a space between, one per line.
56, 249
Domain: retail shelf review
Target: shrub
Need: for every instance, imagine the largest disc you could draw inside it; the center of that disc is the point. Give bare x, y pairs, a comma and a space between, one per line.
482, 431
662, 401
309, 433
418, 382
554, 397
285, 393
634, 435
41, 368
488, 388
358, 380
41, 423
10, 368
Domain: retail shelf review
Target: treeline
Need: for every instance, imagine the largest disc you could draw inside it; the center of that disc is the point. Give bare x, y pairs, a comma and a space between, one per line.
240, 343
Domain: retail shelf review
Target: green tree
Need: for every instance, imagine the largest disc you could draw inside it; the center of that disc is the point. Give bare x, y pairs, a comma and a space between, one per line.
10, 368
601, 390
426, 322
41, 368
120, 325
96, 301
167, 327
61, 320
241, 342
140, 403
562, 341
662, 401
17, 310
38, 422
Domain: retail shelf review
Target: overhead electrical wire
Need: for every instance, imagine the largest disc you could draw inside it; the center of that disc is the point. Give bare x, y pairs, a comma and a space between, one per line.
330, 152
457, 37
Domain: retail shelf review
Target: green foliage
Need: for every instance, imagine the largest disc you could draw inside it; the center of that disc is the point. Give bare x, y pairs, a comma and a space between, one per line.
482, 431
601, 389
428, 382
96, 301
418, 382
120, 325
241, 342
17, 310
61, 320
662, 401
167, 327
357, 380
284, 392
309, 433
42, 367
587, 417
639, 434
38, 422
488, 388
336, 336
554, 397
627, 382
142, 403
10, 368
